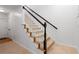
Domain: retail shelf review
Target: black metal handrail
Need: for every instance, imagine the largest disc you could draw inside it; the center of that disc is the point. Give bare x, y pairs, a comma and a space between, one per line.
44, 25
33, 16
41, 17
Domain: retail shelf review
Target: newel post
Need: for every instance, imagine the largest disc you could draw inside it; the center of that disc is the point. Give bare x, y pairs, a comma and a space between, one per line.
45, 43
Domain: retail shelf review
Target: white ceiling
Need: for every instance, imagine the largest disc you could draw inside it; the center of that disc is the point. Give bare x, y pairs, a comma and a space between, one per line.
10, 8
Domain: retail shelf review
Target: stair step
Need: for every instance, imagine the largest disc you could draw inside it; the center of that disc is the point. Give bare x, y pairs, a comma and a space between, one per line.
34, 25
39, 35
38, 40
27, 26
36, 33
49, 44
27, 30
35, 28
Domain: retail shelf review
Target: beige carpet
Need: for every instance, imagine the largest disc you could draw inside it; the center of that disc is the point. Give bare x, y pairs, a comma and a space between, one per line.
7, 46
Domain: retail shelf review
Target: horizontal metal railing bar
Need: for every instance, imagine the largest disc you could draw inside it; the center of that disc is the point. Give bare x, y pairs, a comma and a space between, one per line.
42, 17
33, 16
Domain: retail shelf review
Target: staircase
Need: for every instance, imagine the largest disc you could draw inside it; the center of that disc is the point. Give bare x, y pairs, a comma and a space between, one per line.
37, 33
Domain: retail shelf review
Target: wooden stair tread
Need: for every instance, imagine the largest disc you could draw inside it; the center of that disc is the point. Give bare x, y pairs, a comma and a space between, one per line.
32, 26
38, 35
41, 41
49, 44
36, 28
33, 30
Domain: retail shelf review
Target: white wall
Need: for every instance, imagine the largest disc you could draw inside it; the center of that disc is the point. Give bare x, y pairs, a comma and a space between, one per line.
17, 32
3, 25
65, 18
